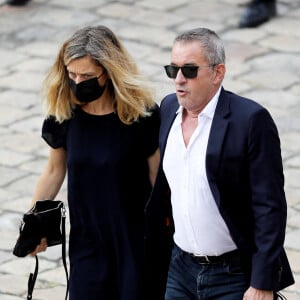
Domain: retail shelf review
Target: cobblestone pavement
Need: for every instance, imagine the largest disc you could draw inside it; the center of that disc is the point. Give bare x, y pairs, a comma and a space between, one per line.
262, 63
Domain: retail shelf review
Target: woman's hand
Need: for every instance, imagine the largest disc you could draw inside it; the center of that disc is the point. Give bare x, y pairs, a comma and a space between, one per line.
41, 247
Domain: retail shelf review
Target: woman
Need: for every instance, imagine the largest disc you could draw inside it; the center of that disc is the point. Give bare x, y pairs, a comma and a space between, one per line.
102, 127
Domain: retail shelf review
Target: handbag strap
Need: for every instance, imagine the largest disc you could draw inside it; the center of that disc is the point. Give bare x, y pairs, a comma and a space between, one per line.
32, 279
33, 276
63, 248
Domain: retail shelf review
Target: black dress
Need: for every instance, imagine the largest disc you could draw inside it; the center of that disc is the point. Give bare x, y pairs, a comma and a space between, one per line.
108, 186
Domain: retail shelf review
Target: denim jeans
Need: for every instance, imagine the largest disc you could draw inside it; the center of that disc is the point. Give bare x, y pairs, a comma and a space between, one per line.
188, 280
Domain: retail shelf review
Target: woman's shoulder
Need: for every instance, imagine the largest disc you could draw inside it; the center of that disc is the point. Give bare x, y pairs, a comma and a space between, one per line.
54, 132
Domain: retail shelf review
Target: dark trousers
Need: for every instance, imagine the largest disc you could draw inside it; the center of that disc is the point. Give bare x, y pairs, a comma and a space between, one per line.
188, 280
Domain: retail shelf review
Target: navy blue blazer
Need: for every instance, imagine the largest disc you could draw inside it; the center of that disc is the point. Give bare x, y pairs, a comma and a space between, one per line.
245, 174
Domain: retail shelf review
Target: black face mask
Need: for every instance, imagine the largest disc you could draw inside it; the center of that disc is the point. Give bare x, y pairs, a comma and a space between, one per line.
88, 90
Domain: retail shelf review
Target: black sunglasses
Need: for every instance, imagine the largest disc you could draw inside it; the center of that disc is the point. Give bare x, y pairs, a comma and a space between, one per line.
187, 71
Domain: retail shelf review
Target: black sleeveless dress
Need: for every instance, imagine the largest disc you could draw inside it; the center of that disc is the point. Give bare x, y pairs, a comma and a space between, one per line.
108, 186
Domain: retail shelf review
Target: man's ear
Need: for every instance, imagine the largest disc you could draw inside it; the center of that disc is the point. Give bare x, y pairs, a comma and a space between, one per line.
219, 73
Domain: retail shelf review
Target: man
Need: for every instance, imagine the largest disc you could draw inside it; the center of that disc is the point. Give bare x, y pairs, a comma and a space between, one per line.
258, 12
221, 178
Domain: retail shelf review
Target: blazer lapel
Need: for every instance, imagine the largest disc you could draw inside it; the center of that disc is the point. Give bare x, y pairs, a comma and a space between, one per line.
168, 115
217, 133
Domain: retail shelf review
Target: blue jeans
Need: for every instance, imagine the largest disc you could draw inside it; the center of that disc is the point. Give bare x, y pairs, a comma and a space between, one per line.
188, 280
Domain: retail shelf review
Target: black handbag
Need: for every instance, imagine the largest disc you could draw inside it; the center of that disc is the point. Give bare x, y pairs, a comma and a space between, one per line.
46, 219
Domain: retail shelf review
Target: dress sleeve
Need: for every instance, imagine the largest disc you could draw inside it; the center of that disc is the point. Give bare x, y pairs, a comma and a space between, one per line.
151, 126
54, 133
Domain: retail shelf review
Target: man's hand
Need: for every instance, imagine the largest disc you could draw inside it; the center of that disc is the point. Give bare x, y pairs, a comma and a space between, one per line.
255, 294
40, 248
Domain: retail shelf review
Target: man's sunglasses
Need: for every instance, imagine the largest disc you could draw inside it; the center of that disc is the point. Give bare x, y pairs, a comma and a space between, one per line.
187, 71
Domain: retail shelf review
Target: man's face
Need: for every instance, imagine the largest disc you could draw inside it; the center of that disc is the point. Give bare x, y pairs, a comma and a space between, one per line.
194, 93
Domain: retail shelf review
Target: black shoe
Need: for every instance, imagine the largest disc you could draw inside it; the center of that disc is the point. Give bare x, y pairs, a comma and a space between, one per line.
257, 13
17, 2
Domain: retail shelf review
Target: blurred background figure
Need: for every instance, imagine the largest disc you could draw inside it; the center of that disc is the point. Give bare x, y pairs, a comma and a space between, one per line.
257, 13
16, 2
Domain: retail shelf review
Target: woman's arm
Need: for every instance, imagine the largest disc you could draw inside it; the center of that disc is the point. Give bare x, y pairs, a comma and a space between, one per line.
52, 177
50, 183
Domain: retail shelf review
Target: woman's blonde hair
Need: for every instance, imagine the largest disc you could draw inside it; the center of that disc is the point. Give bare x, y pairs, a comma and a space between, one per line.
133, 98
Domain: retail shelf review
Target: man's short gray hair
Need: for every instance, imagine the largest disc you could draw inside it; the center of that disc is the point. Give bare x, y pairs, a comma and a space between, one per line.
211, 43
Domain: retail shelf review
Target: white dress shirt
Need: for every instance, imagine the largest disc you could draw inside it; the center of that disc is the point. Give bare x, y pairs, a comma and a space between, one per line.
199, 227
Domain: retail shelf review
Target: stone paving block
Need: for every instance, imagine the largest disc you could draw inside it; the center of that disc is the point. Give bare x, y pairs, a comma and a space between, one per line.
24, 265
140, 52
294, 221
27, 82
19, 205
291, 295
294, 256
61, 17
9, 175
271, 98
282, 43
12, 158
6, 195
291, 140
9, 114
284, 26
163, 5
40, 65
158, 19
10, 297
25, 184
120, 10
25, 142
293, 197
7, 242
196, 22
3, 257
295, 288
162, 89
52, 292
247, 36
159, 59
148, 35
9, 59
10, 223
54, 276
293, 162
292, 241
291, 124
28, 33
20, 99
234, 69
13, 284
212, 10
268, 79
232, 84
31, 124
277, 62
40, 49
78, 4
240, 52
292, 178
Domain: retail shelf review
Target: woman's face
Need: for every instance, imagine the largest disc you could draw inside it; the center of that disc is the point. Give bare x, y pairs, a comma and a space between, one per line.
87, 79
84, 68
